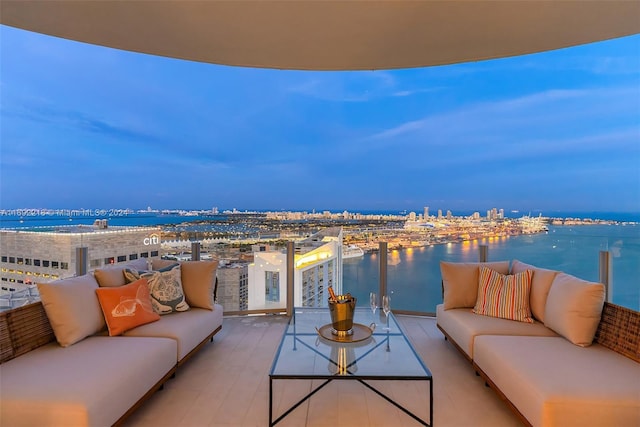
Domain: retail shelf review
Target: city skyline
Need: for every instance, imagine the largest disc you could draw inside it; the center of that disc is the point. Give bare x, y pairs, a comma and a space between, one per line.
85, 125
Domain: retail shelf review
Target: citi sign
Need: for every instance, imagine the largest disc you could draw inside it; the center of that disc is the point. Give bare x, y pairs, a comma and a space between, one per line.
153, 239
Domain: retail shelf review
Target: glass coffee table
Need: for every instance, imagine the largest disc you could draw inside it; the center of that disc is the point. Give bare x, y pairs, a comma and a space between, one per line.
385, 355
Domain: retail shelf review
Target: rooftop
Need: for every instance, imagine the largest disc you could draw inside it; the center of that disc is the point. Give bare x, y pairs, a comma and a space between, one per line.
227, 384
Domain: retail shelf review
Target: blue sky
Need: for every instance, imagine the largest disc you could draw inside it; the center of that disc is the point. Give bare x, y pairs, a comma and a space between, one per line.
84, 126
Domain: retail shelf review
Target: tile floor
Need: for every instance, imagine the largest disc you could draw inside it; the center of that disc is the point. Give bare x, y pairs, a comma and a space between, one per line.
227, 384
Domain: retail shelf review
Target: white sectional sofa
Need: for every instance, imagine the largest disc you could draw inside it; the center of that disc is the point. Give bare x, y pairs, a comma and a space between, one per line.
577, 363
60, 366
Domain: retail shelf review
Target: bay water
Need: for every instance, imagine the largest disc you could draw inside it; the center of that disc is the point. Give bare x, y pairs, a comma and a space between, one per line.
414, 281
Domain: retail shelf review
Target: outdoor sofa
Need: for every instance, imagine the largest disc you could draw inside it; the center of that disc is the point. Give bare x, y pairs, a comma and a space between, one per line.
73, 360
571, 359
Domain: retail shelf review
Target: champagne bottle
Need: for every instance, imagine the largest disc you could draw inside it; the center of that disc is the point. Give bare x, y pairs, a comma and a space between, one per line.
332, 295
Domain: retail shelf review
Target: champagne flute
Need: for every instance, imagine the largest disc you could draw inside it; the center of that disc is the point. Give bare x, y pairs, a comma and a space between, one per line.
373, 301
386, 307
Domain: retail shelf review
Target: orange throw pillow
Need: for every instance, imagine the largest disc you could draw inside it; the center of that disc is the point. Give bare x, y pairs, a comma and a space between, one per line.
126, 307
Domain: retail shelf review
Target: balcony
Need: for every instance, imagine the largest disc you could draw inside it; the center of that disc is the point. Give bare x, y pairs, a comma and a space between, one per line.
227, 384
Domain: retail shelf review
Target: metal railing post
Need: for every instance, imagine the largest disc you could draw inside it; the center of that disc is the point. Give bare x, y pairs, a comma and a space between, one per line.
605, 274
290, 273
484, 253
82, 260
382, 250
195, 251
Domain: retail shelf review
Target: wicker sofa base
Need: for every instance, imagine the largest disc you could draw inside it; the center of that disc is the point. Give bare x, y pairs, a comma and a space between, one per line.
604, 379
32, 361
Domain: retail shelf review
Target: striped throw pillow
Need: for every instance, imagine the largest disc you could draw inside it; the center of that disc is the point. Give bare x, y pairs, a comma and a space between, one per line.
504, 296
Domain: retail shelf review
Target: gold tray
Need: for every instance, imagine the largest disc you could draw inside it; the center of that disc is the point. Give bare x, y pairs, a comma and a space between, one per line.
360, 333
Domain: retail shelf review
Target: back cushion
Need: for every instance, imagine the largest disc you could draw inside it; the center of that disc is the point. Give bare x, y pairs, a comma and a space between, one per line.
113, 275
198, 281
460, 281
72, 308
540, 286
574, 307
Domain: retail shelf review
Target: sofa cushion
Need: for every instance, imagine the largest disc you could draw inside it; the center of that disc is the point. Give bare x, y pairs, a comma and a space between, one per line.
540, 286
159, 263
460, 281
463, 326
113, 275
188, 329
165, 286
127, 306
72, 308
555, 383
92, 383
574, 307
110, 277
504, 296
198, 282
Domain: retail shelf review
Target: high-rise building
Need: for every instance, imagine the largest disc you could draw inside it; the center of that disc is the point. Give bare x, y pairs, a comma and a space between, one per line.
43, 254
233, 282
317, 265
425, 214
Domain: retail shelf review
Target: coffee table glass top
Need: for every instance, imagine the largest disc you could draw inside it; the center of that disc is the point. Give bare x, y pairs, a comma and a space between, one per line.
385, 355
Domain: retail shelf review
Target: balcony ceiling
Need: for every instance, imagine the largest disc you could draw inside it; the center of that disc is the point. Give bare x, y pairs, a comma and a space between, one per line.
328, 35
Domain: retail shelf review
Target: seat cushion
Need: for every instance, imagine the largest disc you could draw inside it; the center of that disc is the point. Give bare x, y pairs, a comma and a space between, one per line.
555, 383
462, 325
188, 328
91, 383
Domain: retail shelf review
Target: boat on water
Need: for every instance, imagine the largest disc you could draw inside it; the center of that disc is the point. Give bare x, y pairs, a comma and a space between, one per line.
352, 251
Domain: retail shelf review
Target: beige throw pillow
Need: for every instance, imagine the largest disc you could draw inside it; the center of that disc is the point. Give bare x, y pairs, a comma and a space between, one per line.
540, 286
113, 275
110, 277
574, 307
159, 263
198, 281
72, 308
460, 281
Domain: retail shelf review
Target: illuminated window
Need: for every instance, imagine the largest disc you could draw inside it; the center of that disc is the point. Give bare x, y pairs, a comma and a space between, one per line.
20, 261
272, 286
110, 260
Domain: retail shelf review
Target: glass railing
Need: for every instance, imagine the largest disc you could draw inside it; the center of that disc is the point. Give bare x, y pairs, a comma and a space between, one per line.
414, 279
413, 274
